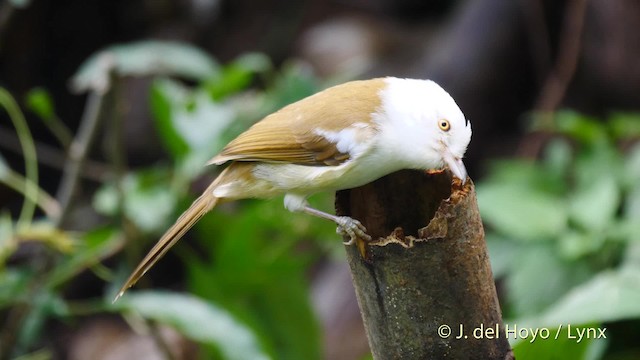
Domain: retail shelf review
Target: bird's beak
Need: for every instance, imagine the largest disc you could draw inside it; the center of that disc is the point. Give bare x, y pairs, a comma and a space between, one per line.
456, 166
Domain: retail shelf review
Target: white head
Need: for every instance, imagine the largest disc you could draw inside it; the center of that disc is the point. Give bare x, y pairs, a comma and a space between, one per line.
424, 125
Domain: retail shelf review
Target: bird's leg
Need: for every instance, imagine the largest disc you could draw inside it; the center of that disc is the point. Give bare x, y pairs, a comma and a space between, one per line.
346, 225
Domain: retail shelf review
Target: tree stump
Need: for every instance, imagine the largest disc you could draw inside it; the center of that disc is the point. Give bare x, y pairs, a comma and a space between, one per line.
424, 283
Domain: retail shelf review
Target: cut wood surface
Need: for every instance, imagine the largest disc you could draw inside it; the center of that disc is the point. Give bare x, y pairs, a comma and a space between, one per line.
424, 284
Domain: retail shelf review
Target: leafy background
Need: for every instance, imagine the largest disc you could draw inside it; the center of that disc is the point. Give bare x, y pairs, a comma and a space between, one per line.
559, 190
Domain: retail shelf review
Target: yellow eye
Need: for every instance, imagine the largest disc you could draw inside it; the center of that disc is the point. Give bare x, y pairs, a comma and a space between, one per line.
444, 125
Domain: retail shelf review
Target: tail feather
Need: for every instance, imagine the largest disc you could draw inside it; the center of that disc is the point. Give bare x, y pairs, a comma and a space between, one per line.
200, 206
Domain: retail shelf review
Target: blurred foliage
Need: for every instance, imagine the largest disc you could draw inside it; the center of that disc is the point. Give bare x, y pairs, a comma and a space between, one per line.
245, 263
144, 58
196, 319
564, 233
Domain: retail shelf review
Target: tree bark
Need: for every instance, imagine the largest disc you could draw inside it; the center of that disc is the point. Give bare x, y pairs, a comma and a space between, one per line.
426, 275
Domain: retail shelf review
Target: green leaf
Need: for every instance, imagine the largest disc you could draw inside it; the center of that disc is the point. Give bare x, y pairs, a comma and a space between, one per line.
557, 160
529, 174
43, 303
14, 285
521, 213
575, 244
294, 83
612, 295
149, 209
254, 62
632, 205
502, 253
588, 131
202, 123
540, 277
196, 319
593, 164
594, 205
632, 167
237, 75
624, 125
165, 95
190, 123
262, 277
560, 343
39, 101
147, 201
106, 200
144, 58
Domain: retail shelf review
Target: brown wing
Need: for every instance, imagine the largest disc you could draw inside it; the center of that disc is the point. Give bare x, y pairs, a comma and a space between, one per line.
290, 134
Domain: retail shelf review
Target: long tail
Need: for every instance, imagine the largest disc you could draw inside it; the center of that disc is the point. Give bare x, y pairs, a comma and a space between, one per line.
200, 206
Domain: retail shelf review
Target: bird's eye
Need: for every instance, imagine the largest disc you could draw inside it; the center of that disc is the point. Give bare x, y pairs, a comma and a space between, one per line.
444, 125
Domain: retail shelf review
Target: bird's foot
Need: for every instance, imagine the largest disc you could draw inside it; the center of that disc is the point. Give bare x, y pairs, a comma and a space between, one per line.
352, 228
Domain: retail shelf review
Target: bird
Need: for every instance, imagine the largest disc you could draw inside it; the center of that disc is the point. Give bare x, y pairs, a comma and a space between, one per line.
342, 137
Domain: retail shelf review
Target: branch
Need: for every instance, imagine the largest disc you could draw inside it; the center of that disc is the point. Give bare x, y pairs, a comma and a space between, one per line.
29, 154
558, 80
78, 153
53, 157
417, 278
24, 186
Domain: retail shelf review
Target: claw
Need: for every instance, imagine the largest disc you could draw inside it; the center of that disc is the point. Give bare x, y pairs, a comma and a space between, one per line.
352, 228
